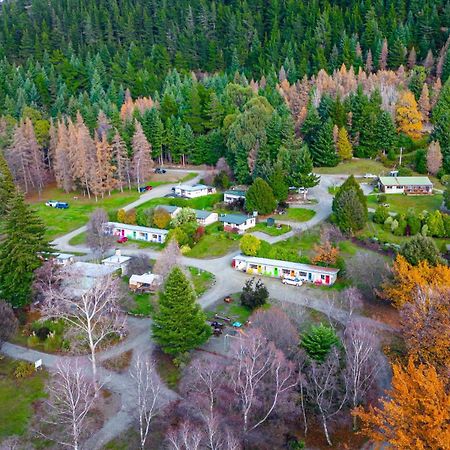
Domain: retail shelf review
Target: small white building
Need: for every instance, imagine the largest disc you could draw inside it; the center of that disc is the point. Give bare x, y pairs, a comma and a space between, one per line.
205, 217
285, 269
172, 210
138, 233
197, 190
237, 223
118, 261
64, 259
405, 185
146, 282
233, 196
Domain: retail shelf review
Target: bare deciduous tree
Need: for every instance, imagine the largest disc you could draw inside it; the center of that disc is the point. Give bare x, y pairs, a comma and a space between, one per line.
325, 389
71, 396
96, 315
362, 361
148, 388
142, 161
185, 437
168, 258
8, 322
139, 264
99, 234
260, 377
352, 300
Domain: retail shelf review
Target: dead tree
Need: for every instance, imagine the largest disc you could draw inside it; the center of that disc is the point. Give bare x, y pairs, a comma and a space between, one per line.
99, 237
71, 396
169, 257
362, 362
148, 388
185, 437
95, 315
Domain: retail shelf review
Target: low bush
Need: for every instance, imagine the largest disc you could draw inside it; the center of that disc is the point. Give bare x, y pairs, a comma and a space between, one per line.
24, 369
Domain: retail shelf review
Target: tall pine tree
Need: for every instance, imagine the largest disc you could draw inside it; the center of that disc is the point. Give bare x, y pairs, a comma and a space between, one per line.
323, 151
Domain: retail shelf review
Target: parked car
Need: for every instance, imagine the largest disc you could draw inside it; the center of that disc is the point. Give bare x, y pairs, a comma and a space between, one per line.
61, 205
122, 240
292, 281
370, 175
160, 170
51, 203
145, 188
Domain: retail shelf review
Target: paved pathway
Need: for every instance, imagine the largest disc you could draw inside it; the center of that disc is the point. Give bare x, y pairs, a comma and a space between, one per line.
227, 281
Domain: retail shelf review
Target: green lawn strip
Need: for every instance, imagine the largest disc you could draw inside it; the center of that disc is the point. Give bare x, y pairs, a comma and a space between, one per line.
79, 239
400, 203
167, 370
17, 397
205, 202
271, 231
201, 279
298, 214
354, 167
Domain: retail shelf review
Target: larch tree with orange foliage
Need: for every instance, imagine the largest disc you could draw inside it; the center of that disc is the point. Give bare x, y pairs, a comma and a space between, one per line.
408, 279
408, 116
326, 253
426, 327
416, 413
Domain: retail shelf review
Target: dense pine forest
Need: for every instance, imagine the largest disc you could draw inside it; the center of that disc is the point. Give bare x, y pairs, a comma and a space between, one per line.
96, 86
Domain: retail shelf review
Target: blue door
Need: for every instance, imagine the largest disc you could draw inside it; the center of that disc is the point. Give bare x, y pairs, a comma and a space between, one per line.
309, 276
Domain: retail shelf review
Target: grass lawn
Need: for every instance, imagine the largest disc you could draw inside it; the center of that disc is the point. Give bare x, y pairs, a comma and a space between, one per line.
271, 231
79, 239
215, 242
400, 203
355, 167
17, 397
299, 214
201, 279
61, 221
205, 202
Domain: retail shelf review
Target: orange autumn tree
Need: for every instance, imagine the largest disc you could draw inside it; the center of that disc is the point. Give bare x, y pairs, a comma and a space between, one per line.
408, 279
416, 414
326, 253
408, 116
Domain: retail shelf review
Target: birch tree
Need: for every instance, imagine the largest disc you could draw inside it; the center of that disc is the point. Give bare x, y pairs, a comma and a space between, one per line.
95, 315
72, 396
169, 258
99, 234
185, 437
147, 388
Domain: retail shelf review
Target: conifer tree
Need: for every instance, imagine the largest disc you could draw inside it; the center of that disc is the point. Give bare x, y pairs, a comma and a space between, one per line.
385, 132
322, 148
260, 197
142, 162
121, 162
311, 125
180, 324
344, 147
20, 251
300, 171
7, 188
279, 184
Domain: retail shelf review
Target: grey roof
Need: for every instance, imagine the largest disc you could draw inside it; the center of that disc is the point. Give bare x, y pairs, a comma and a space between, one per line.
169, 208
138, 228
286, 264
188, 187
236, 219
202, 214
236, 193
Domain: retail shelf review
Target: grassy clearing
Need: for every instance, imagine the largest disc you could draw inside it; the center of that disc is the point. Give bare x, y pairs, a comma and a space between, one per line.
167, 370
206, 202
201, 279
400, 203
299, 214
61, 221
119, 364
79, 239
271, 231
214, 243
17, 397
355, 167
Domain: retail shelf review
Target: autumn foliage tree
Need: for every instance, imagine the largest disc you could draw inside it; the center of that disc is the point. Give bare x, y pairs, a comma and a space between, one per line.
416, 413
408, 278
344, 147
326, 253
408, 117
434, 158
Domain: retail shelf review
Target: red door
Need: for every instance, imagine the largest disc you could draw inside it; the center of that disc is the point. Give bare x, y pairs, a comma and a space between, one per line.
327, 279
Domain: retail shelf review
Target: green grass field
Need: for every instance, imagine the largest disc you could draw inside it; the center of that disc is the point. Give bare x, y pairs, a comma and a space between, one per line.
355, 167
17, 397
271, 231
400, 203
299, 214
206, 202
201, 279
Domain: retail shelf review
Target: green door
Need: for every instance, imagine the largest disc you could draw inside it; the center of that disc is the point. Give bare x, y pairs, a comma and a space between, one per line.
275, 271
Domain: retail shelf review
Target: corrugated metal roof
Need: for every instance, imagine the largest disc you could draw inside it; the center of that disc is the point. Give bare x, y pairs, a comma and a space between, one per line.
286, 264
236, 219
138, 228
188, 187
406, 181
169, 208
237, 193
202, 214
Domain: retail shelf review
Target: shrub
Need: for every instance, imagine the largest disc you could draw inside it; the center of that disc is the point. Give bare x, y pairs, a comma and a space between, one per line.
381, 198
388, 223
318, 341
199, 233
179, 235
53, 342
254, 295
42, 333
400, 230
161, 218
394, 225
421, 248
24, 369
381, 214
250, 245
33, 340
413, 222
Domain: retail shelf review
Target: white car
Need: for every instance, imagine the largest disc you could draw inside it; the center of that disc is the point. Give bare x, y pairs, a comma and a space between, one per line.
370, 175
51, 203
292, 281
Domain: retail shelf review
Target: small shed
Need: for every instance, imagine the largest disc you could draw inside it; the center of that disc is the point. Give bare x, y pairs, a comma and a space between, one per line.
118, 261
270, 222
146, 282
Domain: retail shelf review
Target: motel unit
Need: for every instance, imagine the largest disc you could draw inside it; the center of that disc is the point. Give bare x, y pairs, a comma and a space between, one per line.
205, 217
233, 196
172, 210
237, 223
198, 190
138, 233
285, 269
405, 185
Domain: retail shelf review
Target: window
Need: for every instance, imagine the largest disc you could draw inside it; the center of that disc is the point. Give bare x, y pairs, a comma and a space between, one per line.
302, 274
286, 272
322, 277
253, 266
